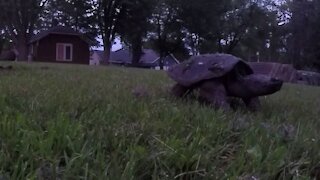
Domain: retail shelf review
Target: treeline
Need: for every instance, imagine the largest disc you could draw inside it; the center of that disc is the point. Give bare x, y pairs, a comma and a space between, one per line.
256, 30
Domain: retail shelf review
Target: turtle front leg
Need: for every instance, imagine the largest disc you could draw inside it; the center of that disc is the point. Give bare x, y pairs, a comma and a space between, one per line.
214, 93
180, 91
253, 104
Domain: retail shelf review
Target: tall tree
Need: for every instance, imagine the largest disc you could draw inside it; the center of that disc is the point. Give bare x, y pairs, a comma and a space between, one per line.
20, 18
78, 14
254, 32
166, 33
299, 27
315, 37
74, 13
133, 25
303, 38
108, 14
2, 36
242, 27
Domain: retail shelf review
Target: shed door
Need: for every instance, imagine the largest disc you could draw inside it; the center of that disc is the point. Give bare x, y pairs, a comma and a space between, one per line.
67, 52
60, 52
64, 52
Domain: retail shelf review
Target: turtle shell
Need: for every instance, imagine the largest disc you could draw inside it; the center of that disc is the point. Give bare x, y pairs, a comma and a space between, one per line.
207, 66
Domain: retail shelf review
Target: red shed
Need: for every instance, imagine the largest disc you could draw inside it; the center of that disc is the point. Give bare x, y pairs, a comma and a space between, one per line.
59, 44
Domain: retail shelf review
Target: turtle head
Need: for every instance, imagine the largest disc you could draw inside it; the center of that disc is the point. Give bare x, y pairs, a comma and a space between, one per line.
259, 85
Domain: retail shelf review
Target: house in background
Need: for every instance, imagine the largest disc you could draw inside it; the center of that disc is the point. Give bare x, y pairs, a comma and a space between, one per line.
285, 72
96, 57
59, 44
149, 59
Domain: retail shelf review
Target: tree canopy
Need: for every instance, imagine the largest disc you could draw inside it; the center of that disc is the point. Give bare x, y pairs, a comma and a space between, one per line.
19, 20
286, 31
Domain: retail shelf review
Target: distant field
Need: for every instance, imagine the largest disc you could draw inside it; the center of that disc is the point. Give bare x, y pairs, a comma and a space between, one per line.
81, 122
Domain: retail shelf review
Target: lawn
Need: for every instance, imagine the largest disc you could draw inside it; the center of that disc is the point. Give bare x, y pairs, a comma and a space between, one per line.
81, 122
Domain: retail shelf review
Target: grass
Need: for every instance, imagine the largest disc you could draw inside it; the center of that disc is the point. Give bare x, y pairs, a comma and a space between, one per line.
80, 122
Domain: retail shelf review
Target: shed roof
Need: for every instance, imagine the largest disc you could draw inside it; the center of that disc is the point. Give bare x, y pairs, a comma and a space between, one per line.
54, 30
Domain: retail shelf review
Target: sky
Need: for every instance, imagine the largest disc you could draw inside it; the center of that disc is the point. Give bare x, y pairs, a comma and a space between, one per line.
115, 47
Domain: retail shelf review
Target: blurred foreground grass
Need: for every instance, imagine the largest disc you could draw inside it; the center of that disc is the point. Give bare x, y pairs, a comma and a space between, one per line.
81, 122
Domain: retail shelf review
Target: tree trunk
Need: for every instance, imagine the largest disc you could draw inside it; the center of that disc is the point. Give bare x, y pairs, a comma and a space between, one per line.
160, 42
136, 55
136, 50
1, 45
22, 48
162, 56
299, 32
106, 52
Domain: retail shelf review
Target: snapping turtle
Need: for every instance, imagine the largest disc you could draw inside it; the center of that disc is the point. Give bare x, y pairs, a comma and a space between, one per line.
219, 76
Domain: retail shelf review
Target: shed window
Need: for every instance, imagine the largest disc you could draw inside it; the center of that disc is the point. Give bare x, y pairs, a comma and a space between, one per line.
64, 52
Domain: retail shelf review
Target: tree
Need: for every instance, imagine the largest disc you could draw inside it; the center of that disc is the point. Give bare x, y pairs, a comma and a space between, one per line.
166, 34
243, 28
108, 14
204, 23
314, 47
303, 37
134, 24
299, 27
257, 32
77, 14
2, 36
20, 18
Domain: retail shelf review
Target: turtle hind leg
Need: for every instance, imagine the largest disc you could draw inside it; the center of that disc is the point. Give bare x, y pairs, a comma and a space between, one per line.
253, 104
214, 93
235, 103
180, 91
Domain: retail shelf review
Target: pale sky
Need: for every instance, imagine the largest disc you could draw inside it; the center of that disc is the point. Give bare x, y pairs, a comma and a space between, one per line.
115, 47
